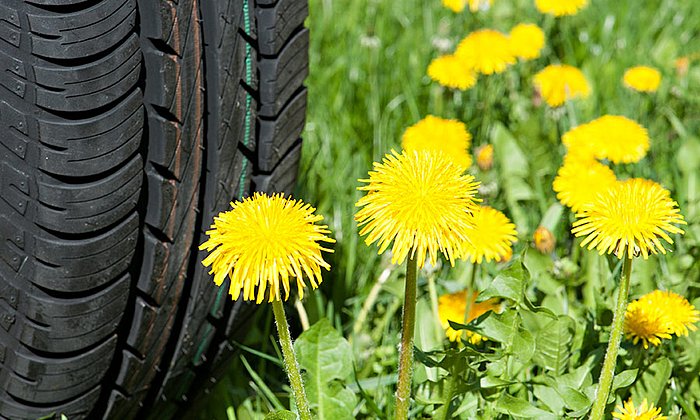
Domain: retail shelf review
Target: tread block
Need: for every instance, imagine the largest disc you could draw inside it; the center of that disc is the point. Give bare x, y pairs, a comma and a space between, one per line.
281, 77
71, 324
92, 85
89, 207
78, 408
283, 176
42, 380
278, 135
78, 266
277, 23
83, 33
91, 146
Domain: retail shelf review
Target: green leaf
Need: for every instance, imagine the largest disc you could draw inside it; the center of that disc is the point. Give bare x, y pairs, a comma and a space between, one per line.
573, 399
523, 345
521, 408
500, 327
653, 382
281, 415
511, 159
327, 359
553, 343
623, 379
509, 283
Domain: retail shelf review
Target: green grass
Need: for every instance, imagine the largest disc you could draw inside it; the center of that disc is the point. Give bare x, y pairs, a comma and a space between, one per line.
367, 83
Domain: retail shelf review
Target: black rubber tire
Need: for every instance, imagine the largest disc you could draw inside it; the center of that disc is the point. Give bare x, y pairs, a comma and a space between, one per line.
125, 125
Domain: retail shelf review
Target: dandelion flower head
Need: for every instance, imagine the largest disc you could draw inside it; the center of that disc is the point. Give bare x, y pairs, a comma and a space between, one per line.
526, 40
642, 78
560, 7
263, 242
486, 51
544, 240
422, 202
630, 215
618, 139
447, 136
645, 411
451, 307
450, 71
657, 315
579, 181
492, 236
560, 82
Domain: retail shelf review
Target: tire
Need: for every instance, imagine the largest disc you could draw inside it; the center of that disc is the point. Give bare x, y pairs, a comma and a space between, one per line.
126, 126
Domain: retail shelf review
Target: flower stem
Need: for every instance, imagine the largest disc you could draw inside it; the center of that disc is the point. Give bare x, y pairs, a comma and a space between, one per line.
290, 361
469, 298
403, 389
608, 372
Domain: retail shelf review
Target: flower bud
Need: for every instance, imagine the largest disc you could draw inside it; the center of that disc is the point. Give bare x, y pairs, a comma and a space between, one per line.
544, 240
484, 157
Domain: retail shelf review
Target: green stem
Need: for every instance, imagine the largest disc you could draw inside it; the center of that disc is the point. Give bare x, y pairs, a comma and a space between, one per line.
290, 361
470, 291
434, 306
608, 372
403, 389
450, 387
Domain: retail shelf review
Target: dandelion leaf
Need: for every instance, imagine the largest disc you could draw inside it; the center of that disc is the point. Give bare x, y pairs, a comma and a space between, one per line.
553, 344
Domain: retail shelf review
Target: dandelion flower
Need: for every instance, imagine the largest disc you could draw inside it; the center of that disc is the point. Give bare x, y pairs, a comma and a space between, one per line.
544, 240
560, 7
474, 5
484, 157
263, 241
447, 136
657, 315
579, 181
526, 40
486, 51
629, 215
618, 139
560, 82
642, 79
422, 202
451, 72
645, 321
492, 236
645, 411
451, 307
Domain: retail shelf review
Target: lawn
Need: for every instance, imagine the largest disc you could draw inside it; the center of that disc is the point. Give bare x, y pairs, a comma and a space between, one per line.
367, 84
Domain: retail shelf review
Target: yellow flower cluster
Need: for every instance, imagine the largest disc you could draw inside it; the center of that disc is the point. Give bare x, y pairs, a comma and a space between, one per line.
486, 51
658, 315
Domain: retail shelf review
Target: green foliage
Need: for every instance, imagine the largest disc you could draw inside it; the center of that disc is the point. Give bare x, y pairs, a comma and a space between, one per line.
326, 359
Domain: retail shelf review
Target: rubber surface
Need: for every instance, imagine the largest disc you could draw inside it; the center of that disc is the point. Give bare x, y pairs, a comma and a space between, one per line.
125, 126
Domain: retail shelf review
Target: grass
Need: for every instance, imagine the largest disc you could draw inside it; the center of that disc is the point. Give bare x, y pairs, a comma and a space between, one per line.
367, 83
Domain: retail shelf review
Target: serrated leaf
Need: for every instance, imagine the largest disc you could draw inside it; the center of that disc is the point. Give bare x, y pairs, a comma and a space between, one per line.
553, 344
653, 381
509, 284
327, 360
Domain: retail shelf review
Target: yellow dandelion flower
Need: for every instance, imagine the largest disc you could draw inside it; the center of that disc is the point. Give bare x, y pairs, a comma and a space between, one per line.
618, 139
264, 241
629, 215
645, 411
560, 7
486, 51
492, 236
526, 40
559, 83
544, 240
447, 136
642, 79
422, 202
474, 5
645, 322
578, 182
451, 307
451, 72
484, 157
